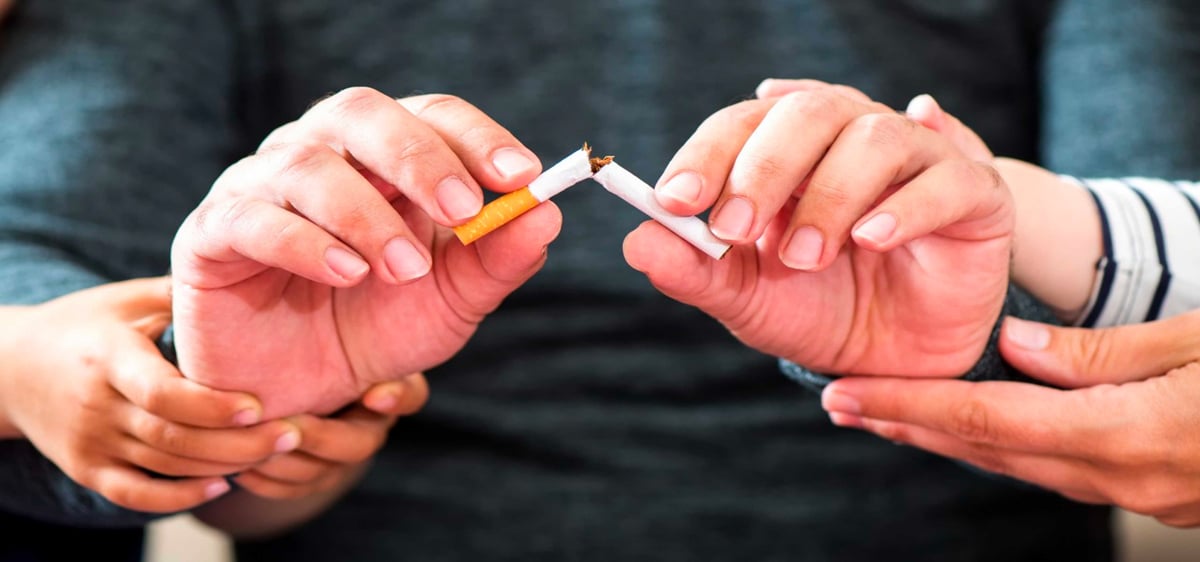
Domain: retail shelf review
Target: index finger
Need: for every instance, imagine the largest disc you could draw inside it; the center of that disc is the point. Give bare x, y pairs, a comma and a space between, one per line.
1016, 416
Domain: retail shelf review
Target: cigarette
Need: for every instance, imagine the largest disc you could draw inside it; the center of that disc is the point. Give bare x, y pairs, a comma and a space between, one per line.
570, 171
624, 184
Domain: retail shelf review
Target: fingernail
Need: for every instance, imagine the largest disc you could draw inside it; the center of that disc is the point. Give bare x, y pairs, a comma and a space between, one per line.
878, 229
385, 403
246, 417
404, 260
457, 200
216, 489
803, 251
846, 420
763, 88
287, 442
1027, 335
834, 401
510, 162
684, 187
734, 219
922, 107
346, 264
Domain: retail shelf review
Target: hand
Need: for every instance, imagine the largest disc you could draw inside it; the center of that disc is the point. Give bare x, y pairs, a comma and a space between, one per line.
1119, 434
885, 249
83, 381
332, 448
322, 265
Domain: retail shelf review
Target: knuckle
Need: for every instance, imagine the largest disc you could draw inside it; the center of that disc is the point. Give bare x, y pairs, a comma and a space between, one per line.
880, 129
299, 159
433, 103
739, 115
354, 100
832, 190
972, 420
816, 104
761, 166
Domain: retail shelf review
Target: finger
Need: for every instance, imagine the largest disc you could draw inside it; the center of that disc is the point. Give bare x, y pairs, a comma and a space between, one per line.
295, 468
957, 198
234, 446
1077, 357
250, 236
487, 271
777, 158
398, 398
872, 153
1066, 476
132, 489
350, 438
778, 87
925, 110
143, 456
1016, 416
492, 155
382, 136
696, 174
266, 487
143, 377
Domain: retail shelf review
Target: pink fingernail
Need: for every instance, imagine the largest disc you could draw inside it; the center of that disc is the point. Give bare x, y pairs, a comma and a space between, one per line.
1027, 335
457, 201
216, 489
734, 219
347, 265
878, 229
685, 187
803, 251
833, 401
846, 420
385, 403
404, 260
246, 417
287, 442
510, 163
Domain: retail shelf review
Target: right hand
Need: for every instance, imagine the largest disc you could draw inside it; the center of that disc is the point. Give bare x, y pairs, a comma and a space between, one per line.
323, 264
82, 380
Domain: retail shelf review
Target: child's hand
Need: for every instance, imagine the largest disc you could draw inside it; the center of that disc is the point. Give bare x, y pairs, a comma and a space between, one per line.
334, 447
83, 381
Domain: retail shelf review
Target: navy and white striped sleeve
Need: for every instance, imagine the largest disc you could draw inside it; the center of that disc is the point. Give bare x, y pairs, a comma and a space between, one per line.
1151, 263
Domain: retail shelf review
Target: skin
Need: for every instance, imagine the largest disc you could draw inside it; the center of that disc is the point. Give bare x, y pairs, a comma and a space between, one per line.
1116, 433
115, 408
330, 251
911, 257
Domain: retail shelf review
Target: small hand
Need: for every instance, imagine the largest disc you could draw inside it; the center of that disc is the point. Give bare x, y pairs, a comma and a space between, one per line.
331, 448
867, 243
86, 385
1120, 433
323, 264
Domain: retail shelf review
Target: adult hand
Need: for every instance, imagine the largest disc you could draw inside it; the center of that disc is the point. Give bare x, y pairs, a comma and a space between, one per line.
322, 264
333, 448
885, 249
1119, 432
83, 381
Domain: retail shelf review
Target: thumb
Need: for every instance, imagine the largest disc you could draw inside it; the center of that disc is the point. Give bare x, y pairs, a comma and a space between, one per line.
684, 273
1080, 357
925, 110
400, 397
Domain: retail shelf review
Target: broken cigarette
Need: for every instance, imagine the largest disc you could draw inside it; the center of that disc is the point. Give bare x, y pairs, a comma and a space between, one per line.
570, 171
624, 184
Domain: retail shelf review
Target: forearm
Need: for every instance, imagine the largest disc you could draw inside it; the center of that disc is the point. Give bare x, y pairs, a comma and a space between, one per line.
1058, 239
246, 516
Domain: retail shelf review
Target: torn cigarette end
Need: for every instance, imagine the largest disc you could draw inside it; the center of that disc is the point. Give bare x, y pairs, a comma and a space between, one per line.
496, 214
624, 184
570, 171
598, 163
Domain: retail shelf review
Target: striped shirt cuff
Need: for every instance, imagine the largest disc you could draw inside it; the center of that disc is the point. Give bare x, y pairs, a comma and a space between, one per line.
1151, 263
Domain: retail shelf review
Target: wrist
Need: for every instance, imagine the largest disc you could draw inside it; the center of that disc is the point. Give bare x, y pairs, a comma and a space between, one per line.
11, 365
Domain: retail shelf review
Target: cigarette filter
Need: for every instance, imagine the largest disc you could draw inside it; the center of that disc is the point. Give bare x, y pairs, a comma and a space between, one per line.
570, 171
624, 184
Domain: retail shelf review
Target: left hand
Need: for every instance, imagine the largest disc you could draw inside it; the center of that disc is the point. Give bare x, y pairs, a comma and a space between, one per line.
333, 448
1120, 434
886, 247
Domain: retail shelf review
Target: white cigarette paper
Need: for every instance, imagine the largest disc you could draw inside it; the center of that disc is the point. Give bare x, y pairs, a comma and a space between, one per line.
568, 172
624, 184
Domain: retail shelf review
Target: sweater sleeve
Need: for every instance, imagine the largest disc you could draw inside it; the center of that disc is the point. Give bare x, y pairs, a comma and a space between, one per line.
114, 120
1151, 263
